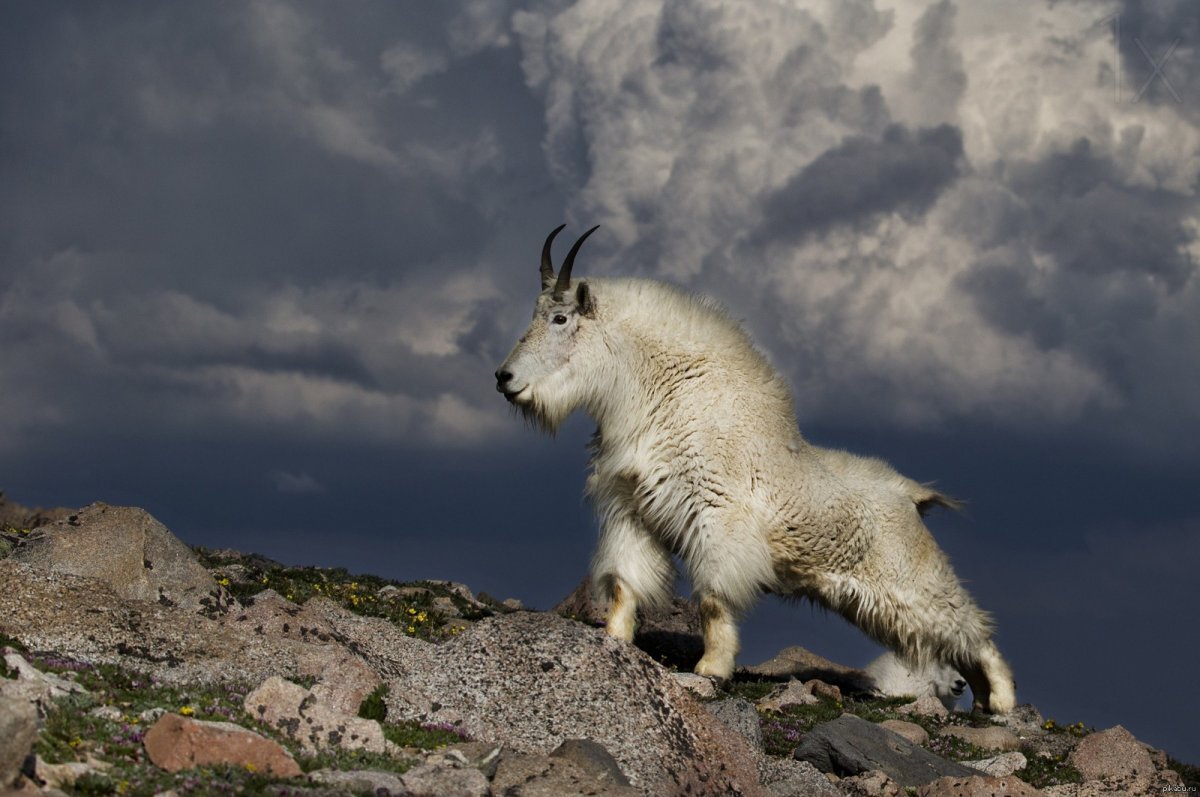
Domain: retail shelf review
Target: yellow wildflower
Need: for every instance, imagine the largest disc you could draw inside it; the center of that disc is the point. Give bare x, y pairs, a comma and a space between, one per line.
187, 711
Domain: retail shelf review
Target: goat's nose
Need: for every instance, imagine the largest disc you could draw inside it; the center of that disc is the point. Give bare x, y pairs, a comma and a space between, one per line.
502, 377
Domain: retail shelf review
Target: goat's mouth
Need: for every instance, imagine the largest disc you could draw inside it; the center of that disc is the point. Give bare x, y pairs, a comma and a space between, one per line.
517, 396
958, 689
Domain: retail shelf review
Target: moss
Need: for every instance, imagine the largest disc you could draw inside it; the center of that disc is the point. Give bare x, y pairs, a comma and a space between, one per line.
373, 707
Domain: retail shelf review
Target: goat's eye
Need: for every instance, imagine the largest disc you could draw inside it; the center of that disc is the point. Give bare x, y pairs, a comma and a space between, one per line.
559, 319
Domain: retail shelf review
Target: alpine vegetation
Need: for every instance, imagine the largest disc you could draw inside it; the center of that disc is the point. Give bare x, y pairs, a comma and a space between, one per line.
698, 455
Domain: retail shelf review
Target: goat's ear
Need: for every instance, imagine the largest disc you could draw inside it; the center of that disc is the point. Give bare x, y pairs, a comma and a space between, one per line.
584, 300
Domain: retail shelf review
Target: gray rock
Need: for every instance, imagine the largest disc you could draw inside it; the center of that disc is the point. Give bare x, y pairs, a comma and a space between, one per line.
127, 549
531, 681
18, 729
530, 775
741, 716
978, 786
358, 780
670, 635
32, 685
439, 780
851, 746
1001, 765
802, 664
792, 693
592, 759
787, 777
701, 686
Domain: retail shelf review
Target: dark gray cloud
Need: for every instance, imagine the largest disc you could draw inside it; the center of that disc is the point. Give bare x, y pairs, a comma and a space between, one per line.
902, 171
1159, 44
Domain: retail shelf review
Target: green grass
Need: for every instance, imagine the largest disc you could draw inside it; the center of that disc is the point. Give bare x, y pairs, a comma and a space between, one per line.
72, 732
410, 605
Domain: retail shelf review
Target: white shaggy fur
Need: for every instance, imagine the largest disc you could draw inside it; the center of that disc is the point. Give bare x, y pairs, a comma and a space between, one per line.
698, 455
890, 676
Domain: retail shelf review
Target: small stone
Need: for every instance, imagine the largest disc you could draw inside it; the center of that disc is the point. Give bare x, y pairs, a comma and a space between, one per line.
990, 738
64, 775
909, 730
699, 685
792, 693
430, 780
978, 786
359, 780
925, 706
870, 784
593, 759
821, 689
1001, 765
175, 743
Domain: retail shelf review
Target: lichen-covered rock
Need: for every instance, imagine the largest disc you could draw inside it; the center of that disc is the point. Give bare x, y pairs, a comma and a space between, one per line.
532, 775
533, 680
443, 780
1001, 765
127, 549
175, 743
1110, 753
792, 693
301, 715
978, 786
18, 729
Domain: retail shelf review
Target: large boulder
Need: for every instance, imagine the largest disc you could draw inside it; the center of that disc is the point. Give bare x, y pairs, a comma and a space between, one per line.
175, 743
127, 549
531, 681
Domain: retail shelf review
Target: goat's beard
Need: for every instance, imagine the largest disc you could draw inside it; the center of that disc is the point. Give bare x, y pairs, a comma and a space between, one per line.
541, 414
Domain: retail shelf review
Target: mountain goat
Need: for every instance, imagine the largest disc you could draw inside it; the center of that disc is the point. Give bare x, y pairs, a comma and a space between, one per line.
890, 676
698, 455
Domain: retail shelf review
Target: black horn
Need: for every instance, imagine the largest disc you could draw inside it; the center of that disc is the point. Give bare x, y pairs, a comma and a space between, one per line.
564, 276
547, 265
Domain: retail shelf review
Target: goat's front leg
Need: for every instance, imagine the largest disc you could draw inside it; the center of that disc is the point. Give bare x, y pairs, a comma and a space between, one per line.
630, 568
720, 638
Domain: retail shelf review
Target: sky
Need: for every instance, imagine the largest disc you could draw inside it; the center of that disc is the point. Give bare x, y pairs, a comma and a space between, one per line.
259, 261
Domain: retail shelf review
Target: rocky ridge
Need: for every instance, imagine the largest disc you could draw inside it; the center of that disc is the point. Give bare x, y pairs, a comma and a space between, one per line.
132, 664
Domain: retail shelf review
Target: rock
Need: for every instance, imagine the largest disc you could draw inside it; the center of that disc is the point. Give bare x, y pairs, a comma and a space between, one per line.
851, 746
1112, 753
787, 777
16, 516
699, 685
792, 693
175, 743
909, 730
18, 730
741, 716
358, 780
484, 756
797, 662
925, 706
870, 784
1001, 765
592, 759
56, 776
531, 680
34, 686
978, 786
820, 689
130, 551
301, 715
530, 775
670, 635
433, 780
990, 738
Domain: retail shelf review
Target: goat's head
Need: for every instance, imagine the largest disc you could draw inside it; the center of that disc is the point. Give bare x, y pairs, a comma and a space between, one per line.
535, 376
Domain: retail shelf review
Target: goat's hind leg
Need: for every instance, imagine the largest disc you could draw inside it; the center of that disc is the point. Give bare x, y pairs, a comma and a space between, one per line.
991, 681
720, 638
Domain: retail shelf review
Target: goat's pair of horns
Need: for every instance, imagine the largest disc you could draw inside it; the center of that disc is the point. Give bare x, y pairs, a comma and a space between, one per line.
564, 276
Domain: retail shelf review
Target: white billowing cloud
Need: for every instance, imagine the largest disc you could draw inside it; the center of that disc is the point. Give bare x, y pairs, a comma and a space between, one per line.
942, 203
